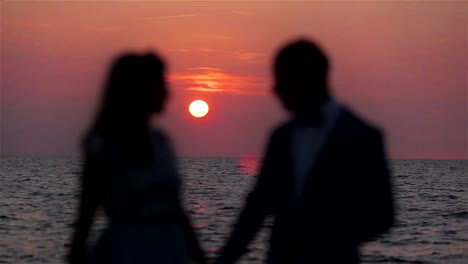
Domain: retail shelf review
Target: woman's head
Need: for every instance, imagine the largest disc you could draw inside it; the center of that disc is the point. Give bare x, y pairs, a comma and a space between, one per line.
136, 86
135, 89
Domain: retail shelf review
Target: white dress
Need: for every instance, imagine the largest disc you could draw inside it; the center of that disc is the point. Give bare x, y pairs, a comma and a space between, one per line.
143, 207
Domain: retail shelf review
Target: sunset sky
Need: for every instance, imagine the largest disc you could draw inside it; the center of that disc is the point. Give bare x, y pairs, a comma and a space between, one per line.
401, 64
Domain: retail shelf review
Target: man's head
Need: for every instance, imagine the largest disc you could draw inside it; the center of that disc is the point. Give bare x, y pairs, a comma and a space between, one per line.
301, 75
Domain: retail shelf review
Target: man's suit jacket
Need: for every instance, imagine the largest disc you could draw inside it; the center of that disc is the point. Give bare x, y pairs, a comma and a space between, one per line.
347, 198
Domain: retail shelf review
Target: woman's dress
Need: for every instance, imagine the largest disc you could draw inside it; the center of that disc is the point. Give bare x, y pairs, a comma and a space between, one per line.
147, 223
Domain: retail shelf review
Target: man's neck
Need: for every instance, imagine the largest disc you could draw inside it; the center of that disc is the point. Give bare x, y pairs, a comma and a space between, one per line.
313, 108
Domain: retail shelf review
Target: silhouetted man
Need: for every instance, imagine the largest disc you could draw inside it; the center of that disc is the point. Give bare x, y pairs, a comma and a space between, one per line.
324, 177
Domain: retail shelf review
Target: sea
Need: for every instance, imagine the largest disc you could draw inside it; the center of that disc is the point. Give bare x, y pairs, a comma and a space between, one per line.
38, 199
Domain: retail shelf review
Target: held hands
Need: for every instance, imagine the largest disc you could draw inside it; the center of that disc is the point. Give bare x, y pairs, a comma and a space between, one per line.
76, 255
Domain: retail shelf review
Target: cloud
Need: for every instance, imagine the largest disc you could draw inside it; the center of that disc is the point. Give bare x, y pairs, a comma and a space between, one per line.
242, 13
224, 37
39, 25
179, 16
103, 29
251, 57
179, 50
215, 80
204, 69
245, 56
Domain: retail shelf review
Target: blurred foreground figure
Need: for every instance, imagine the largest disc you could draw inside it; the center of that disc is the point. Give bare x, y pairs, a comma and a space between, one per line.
324, 176
130, 170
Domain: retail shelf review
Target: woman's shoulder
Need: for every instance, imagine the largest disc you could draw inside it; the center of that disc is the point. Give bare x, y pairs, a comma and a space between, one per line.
94, 146
159, 135
162, 143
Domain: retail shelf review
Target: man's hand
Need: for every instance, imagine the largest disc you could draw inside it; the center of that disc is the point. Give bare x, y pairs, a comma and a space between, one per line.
76, 255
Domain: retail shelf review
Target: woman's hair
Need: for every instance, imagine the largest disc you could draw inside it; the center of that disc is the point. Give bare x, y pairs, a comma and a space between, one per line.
134, 90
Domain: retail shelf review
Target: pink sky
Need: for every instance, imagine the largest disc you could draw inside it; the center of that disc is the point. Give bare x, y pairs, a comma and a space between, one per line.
401, 64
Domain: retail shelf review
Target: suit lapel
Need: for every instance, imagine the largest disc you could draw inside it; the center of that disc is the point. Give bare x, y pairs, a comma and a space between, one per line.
314, 176
288, 163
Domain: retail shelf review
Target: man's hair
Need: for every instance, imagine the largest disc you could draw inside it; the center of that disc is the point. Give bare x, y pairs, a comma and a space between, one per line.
302, 59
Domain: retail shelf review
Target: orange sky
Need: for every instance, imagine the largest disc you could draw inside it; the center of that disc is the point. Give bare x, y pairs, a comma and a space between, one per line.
402, 64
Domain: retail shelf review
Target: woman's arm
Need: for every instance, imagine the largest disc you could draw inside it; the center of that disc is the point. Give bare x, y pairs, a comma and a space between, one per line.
168, 158
87, 208
196, 252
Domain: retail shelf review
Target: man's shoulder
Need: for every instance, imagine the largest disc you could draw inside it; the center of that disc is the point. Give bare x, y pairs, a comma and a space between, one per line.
359, 124
282, 130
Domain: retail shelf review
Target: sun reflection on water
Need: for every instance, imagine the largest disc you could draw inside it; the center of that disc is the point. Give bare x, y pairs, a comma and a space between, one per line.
248, 166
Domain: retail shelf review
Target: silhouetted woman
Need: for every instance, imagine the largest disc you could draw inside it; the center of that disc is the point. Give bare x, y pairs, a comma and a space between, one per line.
130, 171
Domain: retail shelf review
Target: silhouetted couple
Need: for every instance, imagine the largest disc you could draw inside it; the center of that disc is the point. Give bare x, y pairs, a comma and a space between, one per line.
324, 176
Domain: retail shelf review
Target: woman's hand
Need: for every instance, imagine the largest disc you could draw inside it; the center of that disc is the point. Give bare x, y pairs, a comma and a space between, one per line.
76, 254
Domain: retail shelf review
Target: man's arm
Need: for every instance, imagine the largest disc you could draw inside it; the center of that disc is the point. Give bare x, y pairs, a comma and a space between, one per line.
258, 205
378, 207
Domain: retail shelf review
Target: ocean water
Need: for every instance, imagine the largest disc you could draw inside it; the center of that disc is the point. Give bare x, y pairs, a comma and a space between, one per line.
38, 198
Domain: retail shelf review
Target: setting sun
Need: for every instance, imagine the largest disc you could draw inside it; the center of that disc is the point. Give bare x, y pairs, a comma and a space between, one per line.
198, 108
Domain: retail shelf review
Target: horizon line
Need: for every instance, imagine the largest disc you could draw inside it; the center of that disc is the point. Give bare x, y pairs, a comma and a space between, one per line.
196, 156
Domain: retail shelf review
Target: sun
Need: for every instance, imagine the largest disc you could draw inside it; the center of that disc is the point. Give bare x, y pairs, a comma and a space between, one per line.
199, 108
